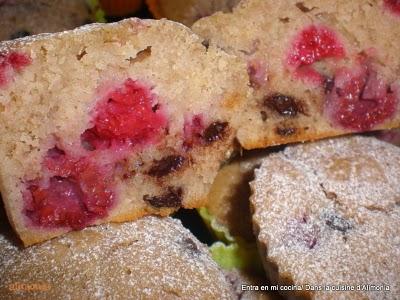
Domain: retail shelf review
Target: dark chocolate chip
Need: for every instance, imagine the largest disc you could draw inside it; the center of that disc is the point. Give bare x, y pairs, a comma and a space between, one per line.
263, 115
284, 20
329, 83
214, 132
284, 105
285, 131
338, 223
172, 198
166, 165
81, 54
303, 8
19, 34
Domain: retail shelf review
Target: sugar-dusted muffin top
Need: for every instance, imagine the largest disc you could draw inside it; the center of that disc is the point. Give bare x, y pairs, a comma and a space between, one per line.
327, 215
151, 258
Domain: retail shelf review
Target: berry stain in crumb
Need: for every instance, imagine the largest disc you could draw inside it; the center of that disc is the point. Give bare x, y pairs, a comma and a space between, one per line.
10, 64
193, 130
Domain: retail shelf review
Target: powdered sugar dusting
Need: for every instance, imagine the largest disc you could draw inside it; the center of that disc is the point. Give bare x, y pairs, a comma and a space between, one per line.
329, 213
152, 258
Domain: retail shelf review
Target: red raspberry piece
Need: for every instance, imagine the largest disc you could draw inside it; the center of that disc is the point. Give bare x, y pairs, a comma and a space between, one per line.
77, 191
128, 115
313, 44
11, 63
359, 99
60, 204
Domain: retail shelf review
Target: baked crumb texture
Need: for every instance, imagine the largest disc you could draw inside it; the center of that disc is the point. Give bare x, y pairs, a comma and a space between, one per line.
119, 121
317, 68
328, 213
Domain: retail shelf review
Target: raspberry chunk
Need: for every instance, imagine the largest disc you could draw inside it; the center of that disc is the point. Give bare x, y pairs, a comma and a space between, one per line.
360, 99
393, 6
60, 204
74, 192
128, 115
313, 44
11, 63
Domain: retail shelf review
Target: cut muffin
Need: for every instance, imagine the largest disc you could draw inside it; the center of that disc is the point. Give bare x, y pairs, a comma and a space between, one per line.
328, 222
28, 17
137, 110
318, 68
140, 260
188, 11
